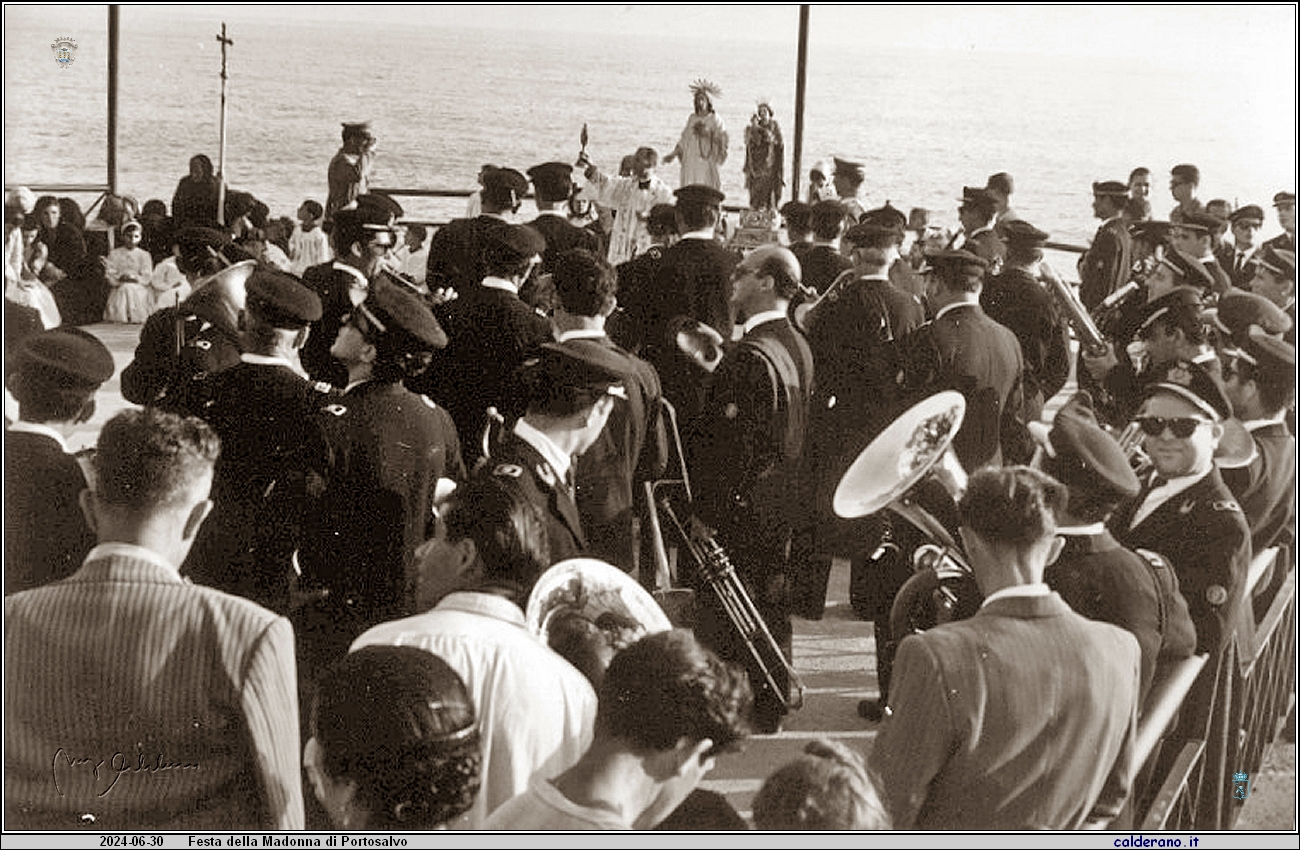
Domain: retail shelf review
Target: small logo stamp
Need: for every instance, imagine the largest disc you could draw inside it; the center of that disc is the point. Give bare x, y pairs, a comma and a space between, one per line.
65, 50
1240, 786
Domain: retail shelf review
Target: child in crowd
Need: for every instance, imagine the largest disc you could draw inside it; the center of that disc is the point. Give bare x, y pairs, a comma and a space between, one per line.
129, 269
309, 246
414, 254
272, 236
169, 284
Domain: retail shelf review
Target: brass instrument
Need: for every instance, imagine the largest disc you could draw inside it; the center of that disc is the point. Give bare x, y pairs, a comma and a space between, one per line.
800, 313
892, 473
1130, 440
1089, 336
698, 341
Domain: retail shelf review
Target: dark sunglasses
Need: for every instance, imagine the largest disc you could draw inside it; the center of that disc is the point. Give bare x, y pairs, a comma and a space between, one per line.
1182, 427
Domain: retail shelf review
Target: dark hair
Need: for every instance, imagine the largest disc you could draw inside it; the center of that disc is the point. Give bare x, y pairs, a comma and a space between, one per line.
1139, 171
826, 789
154, 207
585, 284
400, 722
507, 529
798, 217
1186, 319
394, 358
314, 209
1000, 183
695, 215
662, 220
826, 219
205, 165
1012, 505
1276, 387
666, 687
419, 231
148, 458
1020, 254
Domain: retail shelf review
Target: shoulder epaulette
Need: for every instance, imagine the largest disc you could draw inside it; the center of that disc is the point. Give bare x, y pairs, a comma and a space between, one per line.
336, 409
508, 470
1227, 505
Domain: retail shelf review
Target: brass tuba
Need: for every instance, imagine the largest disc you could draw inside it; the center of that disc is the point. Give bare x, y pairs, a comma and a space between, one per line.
699, 342
910, 463
1084, 327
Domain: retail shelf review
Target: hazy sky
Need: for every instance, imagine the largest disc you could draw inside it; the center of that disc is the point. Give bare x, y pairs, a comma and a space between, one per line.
1187, 35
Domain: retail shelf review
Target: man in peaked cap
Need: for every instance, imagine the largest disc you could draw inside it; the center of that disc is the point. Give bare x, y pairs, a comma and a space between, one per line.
1284, 204
636, 279
1275, 280
1197, 234
976, 212
1236, 257
1237, 311
391, 451
1015, 298
824, 261
552, 187
490, 332
1259, 378
569, 394
1002, 186
1184, 181
54, 377
349, 170
363, 238
273, 455
1184, 511
456, 249
1094, 574
1105, 266
847, 179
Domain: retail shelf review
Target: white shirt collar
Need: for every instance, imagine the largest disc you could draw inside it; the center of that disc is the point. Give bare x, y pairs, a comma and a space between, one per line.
707, 233
558, 460
985, 229
1035, 589
1159, 495
763, 318
485, 604
1081, 530
1115, 217
21, 427
948, 308
581, 333
344, 267
501, 283
265, 360
130, 550
1256, 424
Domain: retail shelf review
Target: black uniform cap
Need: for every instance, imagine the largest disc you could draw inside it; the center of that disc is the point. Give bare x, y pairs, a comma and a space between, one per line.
1284, 199
1109, 188
1191, 270
1269, 354
1278, 261
1188, 173
281, 300
400, 318
698, 193
564, 379
515, 242
1238, 310
849, 167
1085, 457
1201, 222
1250, 212
376, 206
870, 234
1022, 233
887, 216
1155, 232
977, 198
957, 268
1191, 381
63, 358
504, 187
1180, 298
552, 181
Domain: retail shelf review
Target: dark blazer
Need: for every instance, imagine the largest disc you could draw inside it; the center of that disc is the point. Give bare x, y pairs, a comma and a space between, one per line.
332, 286
186, 695
1102, 580
1265, 488
490, 332
46, 536
1019, 302
632, 449
993, 715
988, 245
515, 460
208, 342
636, 281
821, 264
1203, 533
1106, 265
561, 236
456, 253
1240, 271
694, 280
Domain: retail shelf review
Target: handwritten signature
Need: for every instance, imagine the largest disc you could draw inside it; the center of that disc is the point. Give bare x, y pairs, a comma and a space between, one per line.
113, 767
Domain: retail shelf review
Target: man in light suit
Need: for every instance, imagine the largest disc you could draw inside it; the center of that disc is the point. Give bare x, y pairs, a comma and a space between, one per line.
133, 699
1022, 716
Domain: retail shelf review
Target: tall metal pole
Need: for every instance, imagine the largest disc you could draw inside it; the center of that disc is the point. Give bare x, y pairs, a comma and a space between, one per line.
801, 80
112, 98
221, 151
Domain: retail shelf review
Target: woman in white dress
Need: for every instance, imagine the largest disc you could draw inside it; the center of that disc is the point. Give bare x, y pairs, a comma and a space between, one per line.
129, 268
703, 145
26, 287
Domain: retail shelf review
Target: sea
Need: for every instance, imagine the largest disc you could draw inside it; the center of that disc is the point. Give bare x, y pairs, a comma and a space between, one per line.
442, 102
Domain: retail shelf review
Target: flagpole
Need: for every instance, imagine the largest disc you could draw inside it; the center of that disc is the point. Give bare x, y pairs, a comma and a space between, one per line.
221, 151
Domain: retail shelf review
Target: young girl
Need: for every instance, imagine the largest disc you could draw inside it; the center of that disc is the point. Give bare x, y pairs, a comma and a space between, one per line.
129, 269
309, 246
169, 284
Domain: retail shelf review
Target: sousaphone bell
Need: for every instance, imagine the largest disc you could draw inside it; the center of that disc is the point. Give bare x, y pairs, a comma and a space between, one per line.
911, 470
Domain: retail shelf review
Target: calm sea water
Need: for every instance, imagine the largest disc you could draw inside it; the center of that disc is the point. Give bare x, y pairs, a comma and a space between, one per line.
443, 102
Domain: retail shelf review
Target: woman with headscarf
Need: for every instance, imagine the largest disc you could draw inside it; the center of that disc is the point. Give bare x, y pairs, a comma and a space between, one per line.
195, 201
703, 145
764, 159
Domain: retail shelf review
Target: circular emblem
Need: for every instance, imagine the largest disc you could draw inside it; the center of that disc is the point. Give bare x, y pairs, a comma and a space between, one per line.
1215, 594
336, 409
508, 470
1179, 375
65, 51
731, 411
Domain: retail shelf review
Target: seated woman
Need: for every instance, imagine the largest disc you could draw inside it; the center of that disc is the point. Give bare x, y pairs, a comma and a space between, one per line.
129, 269
394, 742
827, 788
168, 283
26, 288
62, 238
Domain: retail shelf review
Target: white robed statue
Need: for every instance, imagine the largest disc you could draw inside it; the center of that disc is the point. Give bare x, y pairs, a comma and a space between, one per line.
703, 145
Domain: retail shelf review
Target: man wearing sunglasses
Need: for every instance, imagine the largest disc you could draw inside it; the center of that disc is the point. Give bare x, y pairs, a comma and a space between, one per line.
1184, 511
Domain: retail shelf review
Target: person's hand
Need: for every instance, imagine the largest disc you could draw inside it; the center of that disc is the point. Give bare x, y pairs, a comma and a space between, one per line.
442, 296
583, 161
1100, 365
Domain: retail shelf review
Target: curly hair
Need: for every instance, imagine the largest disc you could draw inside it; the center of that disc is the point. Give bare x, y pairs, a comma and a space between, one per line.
400, 722
585, 284
1012, 504
826, 789
146, 458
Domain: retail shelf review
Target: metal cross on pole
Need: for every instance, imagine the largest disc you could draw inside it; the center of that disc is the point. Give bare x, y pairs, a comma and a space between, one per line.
221, 151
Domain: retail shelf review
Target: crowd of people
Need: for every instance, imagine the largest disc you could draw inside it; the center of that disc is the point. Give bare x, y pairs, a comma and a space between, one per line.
288, 590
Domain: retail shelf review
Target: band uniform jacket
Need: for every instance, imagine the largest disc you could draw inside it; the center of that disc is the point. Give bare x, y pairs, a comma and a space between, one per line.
1103, 581
456, 253
964, 350
135, 700
1020, 717
632, 449
490, 332
1016, 300
332, 285
46, 536
636, 281
1203, 533
179, 347
1239, 266
389, 446
561, 236
694, 280
1105, 266
1264, 488
820, 265
273, 468
515, 460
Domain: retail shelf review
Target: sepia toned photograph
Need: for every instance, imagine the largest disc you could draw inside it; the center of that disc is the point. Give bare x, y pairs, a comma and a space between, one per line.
649, 417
